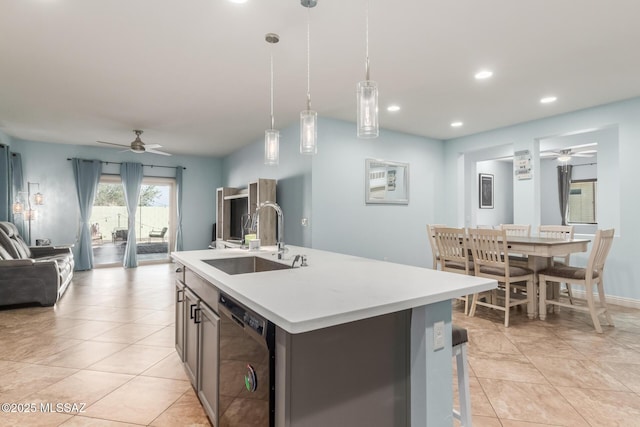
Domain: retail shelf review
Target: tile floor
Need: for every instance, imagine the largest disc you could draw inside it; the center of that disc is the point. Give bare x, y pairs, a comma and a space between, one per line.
107, 347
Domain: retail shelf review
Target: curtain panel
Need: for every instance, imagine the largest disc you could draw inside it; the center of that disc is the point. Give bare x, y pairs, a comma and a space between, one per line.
564, 185
5, 202
87, 176
132, 175
17, 186
178, 246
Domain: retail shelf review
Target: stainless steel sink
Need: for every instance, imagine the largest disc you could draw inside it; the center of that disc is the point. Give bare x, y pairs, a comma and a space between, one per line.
243, 265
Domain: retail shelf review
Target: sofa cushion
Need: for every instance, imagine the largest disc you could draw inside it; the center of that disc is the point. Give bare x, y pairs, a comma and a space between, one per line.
4, 255
20, 248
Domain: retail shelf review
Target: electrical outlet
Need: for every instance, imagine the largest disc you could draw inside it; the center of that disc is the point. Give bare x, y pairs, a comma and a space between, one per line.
438, 335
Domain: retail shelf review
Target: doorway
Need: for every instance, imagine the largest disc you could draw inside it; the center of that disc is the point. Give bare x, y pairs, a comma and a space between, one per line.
154, 220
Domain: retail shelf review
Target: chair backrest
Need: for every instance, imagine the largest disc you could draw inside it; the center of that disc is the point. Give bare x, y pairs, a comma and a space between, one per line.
517, 229
599, 251
489, 248
432, 242
452, 248
564, 232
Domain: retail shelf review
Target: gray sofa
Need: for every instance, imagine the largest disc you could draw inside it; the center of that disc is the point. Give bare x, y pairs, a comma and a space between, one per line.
38, 274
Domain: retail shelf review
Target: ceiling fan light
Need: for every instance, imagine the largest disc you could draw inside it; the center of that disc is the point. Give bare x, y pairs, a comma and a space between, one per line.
564, 158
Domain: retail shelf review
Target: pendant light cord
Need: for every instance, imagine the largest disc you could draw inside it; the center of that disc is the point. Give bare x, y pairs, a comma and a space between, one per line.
272, 119
367, 38
308, 58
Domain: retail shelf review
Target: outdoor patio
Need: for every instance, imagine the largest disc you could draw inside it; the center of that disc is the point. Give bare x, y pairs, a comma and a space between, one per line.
112, 253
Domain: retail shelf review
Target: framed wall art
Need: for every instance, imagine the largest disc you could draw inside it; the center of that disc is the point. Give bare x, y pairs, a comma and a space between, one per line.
485, 192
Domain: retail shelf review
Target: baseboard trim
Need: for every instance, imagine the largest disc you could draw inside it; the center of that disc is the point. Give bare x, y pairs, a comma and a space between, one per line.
614, 300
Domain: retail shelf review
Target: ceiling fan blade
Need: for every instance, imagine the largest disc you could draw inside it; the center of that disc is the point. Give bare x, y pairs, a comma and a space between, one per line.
582, 155
157, 152
152, 146
113, 143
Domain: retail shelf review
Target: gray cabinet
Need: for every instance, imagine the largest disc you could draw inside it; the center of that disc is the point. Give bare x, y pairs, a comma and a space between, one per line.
190, 350
180, 321
208, 361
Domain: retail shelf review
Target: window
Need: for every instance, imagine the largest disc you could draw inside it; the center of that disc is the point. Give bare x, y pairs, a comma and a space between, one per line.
154, 216
582, 201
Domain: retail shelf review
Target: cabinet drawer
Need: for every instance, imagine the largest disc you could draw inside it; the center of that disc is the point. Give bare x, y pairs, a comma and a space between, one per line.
207, 292
179, 272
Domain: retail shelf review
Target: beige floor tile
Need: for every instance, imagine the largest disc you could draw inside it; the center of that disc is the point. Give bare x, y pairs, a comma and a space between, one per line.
605, 408
607, 351
82, 388
20, 383
127, 333
33, 419
576, 373
139, 401
160, 317
133, 359
504, 366
513, 423
170, 367
187, 411
627, 373
491, 342
535, 403
7, 366
82, 355
34, 348
80, 421
165, 337
87, 329
479, 421
545, 346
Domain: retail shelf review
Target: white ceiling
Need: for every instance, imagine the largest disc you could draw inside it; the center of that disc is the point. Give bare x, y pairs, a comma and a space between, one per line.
194, 75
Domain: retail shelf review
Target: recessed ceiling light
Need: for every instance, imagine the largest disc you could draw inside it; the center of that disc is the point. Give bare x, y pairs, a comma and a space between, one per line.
548, 99
456, 124
393, 108
484, 74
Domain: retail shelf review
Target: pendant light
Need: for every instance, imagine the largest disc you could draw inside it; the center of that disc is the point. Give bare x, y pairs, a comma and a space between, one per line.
367, 96
308, 117
271, 136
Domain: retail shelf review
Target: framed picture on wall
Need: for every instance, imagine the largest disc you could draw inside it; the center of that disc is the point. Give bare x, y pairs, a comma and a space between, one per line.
486, 191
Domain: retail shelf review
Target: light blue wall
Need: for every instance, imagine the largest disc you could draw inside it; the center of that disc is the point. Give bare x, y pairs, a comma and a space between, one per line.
342, 222
293, 173
617, 173
47, 164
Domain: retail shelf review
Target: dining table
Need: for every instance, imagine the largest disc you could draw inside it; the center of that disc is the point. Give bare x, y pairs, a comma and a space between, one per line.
540, 252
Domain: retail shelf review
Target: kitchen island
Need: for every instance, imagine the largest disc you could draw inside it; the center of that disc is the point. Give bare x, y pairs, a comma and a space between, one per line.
353, 337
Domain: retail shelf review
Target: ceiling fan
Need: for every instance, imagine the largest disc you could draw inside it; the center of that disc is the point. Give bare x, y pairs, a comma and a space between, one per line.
566, 154
137, 146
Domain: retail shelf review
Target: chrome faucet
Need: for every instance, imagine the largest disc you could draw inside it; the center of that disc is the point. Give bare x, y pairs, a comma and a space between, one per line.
278, 210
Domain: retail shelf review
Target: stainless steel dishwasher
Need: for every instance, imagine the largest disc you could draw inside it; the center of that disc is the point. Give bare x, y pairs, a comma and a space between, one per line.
247, 366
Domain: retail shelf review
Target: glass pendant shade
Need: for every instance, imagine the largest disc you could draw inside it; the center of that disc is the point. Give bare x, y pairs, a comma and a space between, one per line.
18, 208
38, 199
271, 147
367, 100
308, 132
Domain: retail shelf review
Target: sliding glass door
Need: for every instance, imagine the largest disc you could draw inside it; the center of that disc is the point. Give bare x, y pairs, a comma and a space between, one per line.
155, 217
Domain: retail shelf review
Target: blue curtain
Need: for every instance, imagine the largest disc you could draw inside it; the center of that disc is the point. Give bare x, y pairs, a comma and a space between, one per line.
87, 176
17, 186
179, 207
131, 174
5, 203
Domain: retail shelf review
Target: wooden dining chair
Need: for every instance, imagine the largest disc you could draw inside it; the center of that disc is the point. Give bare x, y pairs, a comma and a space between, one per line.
520, 230
491, 260
517, 229
432, 243
591, 277
454, 254
560, 232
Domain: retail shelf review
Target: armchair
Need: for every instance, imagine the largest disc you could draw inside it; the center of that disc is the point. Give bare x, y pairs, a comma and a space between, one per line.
38, 274
158, 233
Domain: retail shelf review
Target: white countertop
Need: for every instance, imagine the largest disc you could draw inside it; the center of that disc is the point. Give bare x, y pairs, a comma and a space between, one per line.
334, 288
